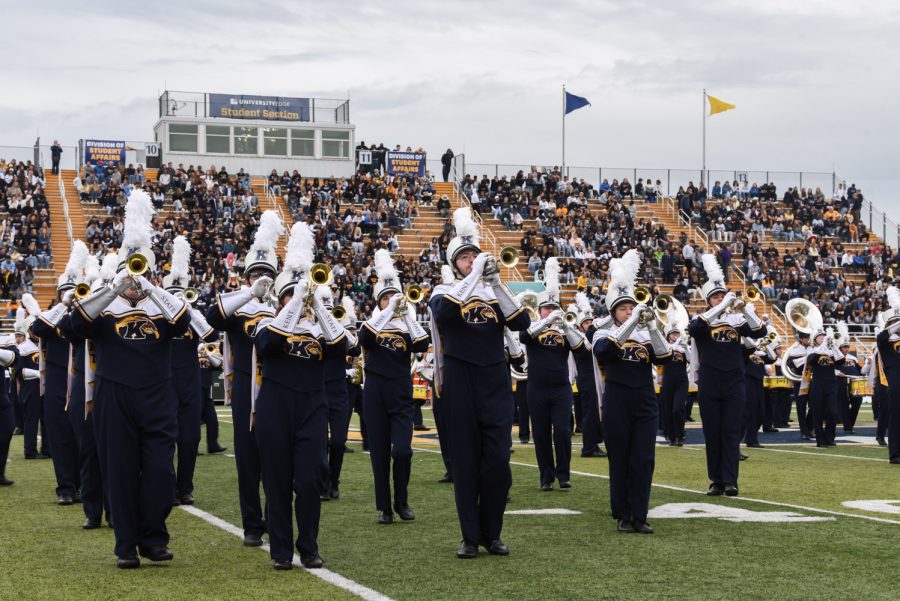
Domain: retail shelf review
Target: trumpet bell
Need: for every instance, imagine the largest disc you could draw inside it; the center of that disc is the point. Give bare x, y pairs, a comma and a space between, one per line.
414, 294
82, 290
136, 264
190, 295
642, 295
754, 294
338, 313
320, 274
509, 256
570, 318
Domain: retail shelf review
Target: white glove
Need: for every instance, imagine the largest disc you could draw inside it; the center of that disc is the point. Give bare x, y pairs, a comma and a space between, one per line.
144, 283
300, 289
478, 263
121, 282
557, 315
261, 286
729, 299
68, 297
393, 302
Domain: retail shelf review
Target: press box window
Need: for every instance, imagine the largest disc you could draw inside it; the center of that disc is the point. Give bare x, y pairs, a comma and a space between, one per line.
275, 141
182, 137
303, 142
245, 140
336, 144
218, 139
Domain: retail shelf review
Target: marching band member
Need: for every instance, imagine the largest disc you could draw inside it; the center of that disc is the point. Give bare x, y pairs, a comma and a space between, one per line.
756, 356
527, 299
131, 324
626, 353
847, 368
209, 363
186, 372
55, 354
291, 409
674, 388
8, 357
821, 360
888, 341
468, 318
389, 338
547, 344
354, 374
591, 428
29, 380
437, 404
237, 314
716, 334
877, 381
797, 356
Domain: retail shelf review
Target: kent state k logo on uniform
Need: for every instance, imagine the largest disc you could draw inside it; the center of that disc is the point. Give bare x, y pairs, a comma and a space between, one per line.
479, 312
825, 360
634, 352
551, 338
304, 347
250, 325
137, 327
391, 341
724, 334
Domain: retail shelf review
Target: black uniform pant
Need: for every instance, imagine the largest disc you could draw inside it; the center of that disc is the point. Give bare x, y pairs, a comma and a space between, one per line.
93, 499
388, 408
630, 419
440, 420
7, 425
551, 412
477, 408
292, 430
30, 397
672, 402
849, 405
721, 399
521, 399
19, 408
338, 424
591, 429
246, 456
354, 393
781, 406
186, 381
823, 400
804, 412
883, 400
136, 432
754, 409
210, 419
893, 429
63, 443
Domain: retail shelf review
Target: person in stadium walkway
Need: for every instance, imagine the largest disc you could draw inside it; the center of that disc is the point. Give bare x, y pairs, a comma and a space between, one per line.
186, 376
717, 344
93, 498
237, 314
757, 354
55, 353
131, 324
821, 361
591, 428
674, 388
291, 407
28, 377
210, 362
8, 357
888, 341
468, 318
797, 357
626, 351
548, 343
849, 368
389, 338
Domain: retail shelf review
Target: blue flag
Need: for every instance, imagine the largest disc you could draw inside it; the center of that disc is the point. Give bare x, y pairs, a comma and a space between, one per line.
573, 102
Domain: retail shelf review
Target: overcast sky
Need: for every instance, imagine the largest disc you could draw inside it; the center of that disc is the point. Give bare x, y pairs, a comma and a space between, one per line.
815, 83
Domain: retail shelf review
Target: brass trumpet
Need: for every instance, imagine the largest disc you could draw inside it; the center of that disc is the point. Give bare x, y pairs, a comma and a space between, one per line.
570, 318
136, 265
642, 295
320, 274
82, 290
338, 312
414, 294
509, 256
190, 295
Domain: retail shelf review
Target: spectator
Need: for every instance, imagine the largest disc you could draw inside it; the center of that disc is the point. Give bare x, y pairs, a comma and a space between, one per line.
55, 154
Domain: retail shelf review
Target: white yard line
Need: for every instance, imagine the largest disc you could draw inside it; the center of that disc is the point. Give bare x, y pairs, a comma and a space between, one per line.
701, 492
328, 576
815, 454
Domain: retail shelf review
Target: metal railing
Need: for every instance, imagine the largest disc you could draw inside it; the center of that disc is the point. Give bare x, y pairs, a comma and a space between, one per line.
65, 204
174, 103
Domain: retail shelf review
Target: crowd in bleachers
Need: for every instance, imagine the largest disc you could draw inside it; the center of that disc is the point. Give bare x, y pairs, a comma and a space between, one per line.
24, 227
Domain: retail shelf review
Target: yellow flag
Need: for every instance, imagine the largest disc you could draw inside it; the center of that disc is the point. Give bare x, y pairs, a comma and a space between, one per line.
718, 106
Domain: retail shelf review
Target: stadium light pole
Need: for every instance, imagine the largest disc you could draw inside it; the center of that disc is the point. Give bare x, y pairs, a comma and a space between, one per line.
703, 112
563, 168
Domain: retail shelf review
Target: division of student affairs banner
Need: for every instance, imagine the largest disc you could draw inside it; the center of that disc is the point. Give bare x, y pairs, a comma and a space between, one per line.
270, 108
110, 152
398, 163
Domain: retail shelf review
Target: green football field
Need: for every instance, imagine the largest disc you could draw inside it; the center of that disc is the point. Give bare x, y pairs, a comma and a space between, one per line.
789, 536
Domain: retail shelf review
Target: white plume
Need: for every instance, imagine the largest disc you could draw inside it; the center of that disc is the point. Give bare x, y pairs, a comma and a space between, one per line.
31, 305
814, 323
77, 259
20, 317
109, 267
139, 213
267, 234
829, 333
583, 303
844, 331
551, 276
712, 268
384, 266
181, 259
92, 269
893, 297
350, 308
465, 225
447, 276
300, 251
623, 272
571, 308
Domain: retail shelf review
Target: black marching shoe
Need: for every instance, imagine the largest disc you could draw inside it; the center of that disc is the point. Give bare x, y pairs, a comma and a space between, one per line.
447, 479
731, 490
77, 497
385, 517
334, 494
715, 490
594, 453
742, 457
65, 500
679, 442
325, 496
92, 524
495, 547
755, 445
216, 449
160, 553
128, 563
253, 539
421, 428
895, 460
4, 481
625, 526
770, 429
467, 550
641, 527
18, 432
349, 449
547, 487
880, 440
311, 561
405, 512
282, 564
37, 456
565, 484
186, 499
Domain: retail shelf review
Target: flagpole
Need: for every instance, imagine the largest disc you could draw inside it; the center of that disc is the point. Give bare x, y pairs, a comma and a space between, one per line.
563, 171
703, 110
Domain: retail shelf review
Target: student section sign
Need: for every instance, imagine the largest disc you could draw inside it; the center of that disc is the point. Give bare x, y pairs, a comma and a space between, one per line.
270, 108
108, 152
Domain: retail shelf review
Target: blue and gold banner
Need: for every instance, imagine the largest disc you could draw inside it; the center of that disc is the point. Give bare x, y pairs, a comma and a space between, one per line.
268, 108
109, 152
400, 163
